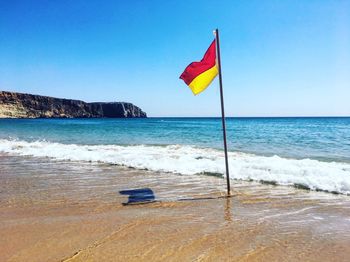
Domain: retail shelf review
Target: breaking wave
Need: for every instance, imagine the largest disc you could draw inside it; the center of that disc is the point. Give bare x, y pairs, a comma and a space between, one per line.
189, 160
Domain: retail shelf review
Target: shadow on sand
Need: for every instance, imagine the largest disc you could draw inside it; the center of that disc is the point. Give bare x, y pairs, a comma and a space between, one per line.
146, 195
141, 196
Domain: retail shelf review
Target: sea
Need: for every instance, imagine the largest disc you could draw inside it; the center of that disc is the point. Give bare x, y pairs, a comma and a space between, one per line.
311, 153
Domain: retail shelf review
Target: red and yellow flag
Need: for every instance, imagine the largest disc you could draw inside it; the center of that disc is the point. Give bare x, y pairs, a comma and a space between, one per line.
199, 75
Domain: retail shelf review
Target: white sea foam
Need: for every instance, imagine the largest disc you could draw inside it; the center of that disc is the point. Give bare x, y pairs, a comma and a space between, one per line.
188, 160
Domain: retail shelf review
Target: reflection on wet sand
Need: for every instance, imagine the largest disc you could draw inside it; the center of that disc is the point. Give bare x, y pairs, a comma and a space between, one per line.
66, 211
228, 214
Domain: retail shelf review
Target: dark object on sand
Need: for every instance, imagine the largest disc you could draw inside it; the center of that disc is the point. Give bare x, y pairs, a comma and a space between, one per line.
138, 196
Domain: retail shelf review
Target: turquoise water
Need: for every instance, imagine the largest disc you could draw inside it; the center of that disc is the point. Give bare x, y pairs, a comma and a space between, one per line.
315, 138
310, 153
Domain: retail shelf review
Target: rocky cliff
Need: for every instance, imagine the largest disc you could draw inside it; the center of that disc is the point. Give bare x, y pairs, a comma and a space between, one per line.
18, 105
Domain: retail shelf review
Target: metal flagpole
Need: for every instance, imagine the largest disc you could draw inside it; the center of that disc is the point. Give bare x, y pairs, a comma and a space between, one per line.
222, 112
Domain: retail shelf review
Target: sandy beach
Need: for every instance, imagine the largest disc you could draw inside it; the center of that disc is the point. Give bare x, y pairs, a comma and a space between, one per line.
71, 211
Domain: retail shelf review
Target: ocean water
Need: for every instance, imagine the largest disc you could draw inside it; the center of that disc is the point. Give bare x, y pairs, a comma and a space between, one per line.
311, 153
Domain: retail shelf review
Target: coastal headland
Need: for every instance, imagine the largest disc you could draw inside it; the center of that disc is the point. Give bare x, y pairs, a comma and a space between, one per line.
18, 105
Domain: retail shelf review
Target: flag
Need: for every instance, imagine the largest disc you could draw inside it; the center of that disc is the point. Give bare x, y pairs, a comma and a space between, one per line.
199, 75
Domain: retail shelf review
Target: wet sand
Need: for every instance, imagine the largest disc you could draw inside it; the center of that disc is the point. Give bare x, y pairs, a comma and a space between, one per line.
69, 211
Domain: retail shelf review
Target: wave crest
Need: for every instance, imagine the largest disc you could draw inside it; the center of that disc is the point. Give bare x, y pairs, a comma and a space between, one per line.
189, 160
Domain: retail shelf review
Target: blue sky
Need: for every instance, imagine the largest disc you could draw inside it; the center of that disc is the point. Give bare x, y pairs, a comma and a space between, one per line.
279, 58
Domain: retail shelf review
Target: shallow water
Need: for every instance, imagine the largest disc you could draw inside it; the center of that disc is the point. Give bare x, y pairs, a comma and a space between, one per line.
73, 211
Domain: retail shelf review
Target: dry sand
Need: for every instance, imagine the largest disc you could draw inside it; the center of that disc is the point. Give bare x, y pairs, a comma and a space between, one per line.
66, 211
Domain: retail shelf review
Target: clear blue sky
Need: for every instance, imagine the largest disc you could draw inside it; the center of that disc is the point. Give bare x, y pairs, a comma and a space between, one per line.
279, 58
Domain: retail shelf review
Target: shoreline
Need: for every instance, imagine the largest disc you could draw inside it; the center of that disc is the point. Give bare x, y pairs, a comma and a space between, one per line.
304, 173
66, 211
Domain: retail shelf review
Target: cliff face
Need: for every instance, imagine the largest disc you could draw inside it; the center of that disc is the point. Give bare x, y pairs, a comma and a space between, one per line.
18, 105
